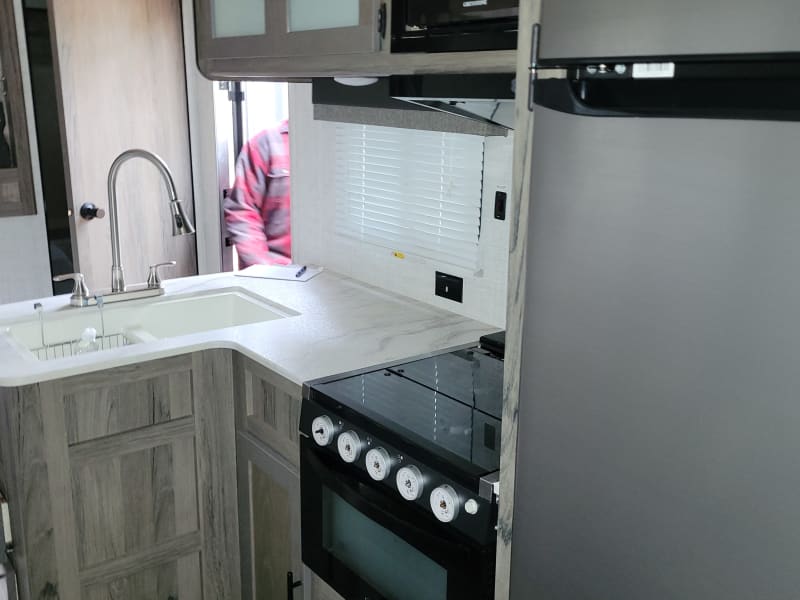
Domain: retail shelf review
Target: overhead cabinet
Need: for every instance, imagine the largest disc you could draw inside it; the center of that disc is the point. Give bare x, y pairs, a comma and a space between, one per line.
284, 28
287, 39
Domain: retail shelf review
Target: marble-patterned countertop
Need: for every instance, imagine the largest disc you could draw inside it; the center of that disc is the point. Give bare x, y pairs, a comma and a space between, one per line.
341, 325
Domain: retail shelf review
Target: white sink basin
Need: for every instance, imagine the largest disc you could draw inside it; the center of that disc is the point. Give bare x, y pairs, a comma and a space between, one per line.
139, 321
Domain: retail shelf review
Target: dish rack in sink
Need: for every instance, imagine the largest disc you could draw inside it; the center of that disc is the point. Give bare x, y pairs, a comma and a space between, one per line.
65, 349
70, 348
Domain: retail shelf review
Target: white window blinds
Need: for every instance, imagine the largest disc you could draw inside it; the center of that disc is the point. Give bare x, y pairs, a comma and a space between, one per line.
417, 192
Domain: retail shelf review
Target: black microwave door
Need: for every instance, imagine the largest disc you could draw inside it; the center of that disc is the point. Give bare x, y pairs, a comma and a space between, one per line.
428, 561
438, 13
586, 29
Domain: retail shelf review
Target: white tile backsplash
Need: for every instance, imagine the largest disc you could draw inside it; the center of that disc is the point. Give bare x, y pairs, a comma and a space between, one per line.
314, 240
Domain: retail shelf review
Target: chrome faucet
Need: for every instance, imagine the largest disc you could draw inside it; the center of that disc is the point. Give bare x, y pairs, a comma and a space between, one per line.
181, 225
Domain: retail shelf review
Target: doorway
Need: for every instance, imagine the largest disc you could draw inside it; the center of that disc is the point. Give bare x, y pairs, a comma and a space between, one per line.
242, 110
48, 137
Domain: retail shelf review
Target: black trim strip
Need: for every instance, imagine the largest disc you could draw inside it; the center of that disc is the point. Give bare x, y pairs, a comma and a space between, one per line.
748, 90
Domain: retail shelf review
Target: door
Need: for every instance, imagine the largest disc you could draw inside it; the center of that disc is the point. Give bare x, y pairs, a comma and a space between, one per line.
658, 410
242, 109
269, 523
120, 67
641, 28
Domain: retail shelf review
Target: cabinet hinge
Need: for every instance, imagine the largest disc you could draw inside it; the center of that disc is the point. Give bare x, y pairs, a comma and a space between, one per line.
382, 21
534, 68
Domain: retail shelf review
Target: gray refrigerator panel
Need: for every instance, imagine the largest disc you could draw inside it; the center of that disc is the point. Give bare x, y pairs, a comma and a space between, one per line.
659, 421
588, 28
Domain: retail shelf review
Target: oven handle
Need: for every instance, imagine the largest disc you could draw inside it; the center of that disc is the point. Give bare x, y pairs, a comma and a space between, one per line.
345, 485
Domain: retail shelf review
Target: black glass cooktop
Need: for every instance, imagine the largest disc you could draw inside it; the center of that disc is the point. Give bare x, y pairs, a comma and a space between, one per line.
451, 403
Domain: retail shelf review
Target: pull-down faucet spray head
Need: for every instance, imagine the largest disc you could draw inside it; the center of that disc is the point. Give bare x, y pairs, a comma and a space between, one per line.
181, 224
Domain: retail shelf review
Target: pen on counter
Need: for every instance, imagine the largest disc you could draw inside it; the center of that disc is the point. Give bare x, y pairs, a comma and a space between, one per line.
301, 271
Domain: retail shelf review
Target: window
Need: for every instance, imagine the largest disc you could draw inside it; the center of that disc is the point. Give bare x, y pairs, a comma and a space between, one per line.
416, 192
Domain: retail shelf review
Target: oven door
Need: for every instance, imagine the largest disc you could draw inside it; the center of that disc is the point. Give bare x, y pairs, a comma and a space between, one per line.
371, 545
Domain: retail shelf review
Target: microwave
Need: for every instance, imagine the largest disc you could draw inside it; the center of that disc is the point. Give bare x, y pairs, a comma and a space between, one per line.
454, 25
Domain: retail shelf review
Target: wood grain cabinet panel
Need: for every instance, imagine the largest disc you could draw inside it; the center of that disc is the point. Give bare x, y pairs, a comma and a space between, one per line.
269, 520
268, 408
164, 582
123, 482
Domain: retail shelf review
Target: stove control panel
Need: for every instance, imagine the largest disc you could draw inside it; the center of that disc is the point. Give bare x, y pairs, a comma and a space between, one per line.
349, 445
445, 503
323, 430
410, 483
450, 502
379, 463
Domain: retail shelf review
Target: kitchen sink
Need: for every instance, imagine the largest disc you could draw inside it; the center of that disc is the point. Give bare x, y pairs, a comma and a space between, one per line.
140, 321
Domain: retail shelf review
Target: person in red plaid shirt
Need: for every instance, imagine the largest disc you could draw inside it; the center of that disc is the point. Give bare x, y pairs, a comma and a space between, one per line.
257, 212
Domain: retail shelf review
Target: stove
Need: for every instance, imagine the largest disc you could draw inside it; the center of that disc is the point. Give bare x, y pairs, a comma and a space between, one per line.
405, 455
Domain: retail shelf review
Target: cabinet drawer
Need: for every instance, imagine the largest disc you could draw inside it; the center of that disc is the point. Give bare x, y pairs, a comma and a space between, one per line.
268, 408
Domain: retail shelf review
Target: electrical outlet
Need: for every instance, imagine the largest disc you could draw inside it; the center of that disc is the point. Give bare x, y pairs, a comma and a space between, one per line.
500, 206
450, 287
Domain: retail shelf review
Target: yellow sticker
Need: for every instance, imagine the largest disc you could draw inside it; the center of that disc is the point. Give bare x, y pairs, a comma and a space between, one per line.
397, 254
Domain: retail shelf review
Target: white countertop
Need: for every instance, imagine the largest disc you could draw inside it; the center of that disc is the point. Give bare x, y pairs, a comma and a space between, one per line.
343, 325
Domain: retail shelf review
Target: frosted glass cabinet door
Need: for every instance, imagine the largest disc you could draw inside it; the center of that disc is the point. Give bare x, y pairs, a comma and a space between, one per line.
227, 29
314, 28
309, 15
237, 18
232, 30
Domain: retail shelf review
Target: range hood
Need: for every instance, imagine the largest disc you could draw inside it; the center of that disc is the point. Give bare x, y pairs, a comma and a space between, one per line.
487, 99
689, 59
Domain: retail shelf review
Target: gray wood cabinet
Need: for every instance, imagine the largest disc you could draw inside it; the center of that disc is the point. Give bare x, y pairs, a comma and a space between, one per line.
291, 39
269, 520
268, 459
268, 408
121, 482
279, 29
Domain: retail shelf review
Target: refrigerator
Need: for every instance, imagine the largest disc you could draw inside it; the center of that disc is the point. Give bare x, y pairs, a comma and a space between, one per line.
658, 453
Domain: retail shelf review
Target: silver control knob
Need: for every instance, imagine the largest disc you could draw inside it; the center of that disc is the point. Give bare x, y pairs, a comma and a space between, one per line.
323, 430
379, 463
349, 445
471, 506
410, 483
445, 503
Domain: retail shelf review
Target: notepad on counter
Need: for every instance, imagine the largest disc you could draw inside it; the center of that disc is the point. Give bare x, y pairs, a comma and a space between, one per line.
286, 272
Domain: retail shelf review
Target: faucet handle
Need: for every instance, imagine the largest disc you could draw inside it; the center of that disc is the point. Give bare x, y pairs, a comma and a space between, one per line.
153, 277
80, 293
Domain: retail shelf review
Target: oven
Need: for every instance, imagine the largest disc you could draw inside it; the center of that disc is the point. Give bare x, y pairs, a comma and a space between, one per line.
369, 544
393, 472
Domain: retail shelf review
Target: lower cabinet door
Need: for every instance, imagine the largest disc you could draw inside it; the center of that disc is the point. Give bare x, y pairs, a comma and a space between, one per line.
269, 523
